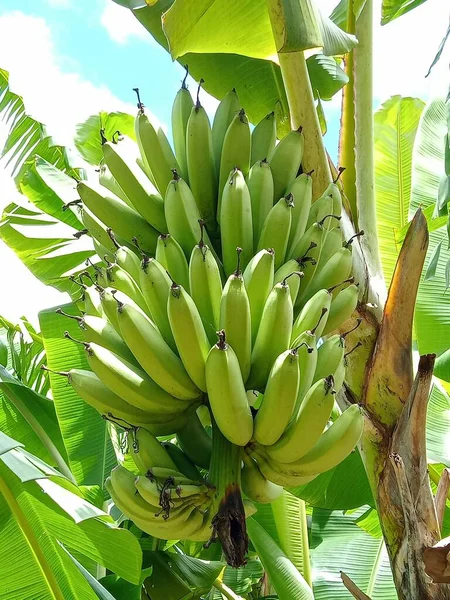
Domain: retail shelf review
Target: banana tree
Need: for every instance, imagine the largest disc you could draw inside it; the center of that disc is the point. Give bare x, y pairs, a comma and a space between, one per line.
271, 59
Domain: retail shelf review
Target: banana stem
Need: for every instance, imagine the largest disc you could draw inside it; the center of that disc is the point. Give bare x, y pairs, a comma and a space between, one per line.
307, 572
229, 519
364, 140
303, 113
32, 541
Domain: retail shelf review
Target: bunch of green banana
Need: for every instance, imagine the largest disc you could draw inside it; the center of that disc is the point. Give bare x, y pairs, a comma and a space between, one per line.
212, 306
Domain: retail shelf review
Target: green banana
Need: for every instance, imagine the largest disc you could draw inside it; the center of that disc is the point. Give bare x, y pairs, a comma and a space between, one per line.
306, 345
146, 451
331, 244
322, 207
151, 150
285, 161
201, 169
259, 280
130, 382
100, 331
122, 219
97, 230
301, 189
341, 308
235, 318
274, 472
260, 186
236, 222
264, 137
332, 192
182, 215
155, 287
205, 285
279, 399
182, 462
290, 272
106, 179
226, 392
170, 255
334, 271
333, 446
273, 335
164, 474
127, 260
92, 301
109, 306
235, 152
195, 442
255, 485
95, 393
120, 156
329, 356
275, 231
312, 238
314, 314
167, 151
225, 113
189, 334
153, 354
119, 279
302, 433
181, 111
151, 492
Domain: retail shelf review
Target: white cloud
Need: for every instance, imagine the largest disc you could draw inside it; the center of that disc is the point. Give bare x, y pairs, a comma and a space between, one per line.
121, 25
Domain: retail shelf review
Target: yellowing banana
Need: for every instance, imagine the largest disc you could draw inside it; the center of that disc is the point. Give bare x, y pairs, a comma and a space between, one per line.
146, 451
255, 486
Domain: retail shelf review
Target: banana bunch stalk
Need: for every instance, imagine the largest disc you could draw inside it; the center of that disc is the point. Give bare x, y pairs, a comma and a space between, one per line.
208, 317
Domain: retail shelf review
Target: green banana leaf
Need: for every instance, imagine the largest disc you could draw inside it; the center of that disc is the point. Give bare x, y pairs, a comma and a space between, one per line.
396, 124
26, 137
432, 316
88, 140
283, 575
285, 521
438, 426
31, 418
338, 544
392, 9
85, 433
344, 487
257, 81
33, 527
223, 27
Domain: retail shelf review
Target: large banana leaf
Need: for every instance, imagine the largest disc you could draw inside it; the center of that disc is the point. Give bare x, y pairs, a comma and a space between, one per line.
222, 26
33, 528
85, 433
432, 316
26, 136
285, 578
438, 426
338, 544
30, 417
396, 125
257, 81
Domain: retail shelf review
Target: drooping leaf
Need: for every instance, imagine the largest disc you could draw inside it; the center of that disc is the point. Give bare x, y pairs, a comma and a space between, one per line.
442, 366
431, 268
395, 125
88, 140
338, 544
432, 315
85, 433
392, 9
36, 420
286, 580
327, 75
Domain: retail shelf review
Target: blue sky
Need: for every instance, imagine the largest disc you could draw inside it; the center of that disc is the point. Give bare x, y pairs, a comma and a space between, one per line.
72, 58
